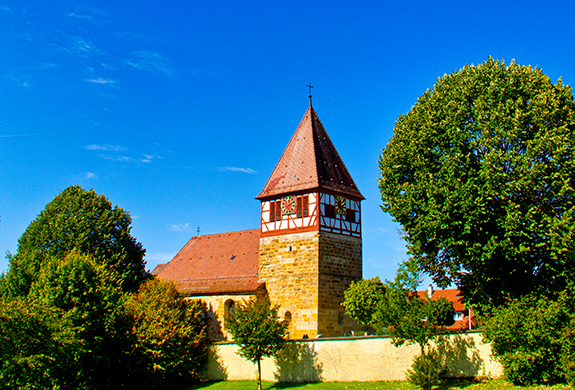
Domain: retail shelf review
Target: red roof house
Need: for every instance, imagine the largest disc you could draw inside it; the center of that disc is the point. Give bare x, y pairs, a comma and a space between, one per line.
464, 318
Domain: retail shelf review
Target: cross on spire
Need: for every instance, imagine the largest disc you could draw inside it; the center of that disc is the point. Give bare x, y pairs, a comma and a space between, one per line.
310, 87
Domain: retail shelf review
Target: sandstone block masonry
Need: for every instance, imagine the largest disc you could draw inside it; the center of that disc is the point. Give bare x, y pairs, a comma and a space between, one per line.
306, 274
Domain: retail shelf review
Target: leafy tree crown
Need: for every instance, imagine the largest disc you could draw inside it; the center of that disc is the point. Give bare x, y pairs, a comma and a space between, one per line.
480, 174
84, 221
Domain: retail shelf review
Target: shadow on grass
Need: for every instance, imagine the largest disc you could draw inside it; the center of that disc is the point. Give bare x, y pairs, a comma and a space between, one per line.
457, 383
448, 384
290, 385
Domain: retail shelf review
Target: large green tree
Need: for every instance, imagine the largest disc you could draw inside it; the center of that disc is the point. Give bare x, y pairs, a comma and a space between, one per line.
257, 330
481, 175
87, 296
81, 220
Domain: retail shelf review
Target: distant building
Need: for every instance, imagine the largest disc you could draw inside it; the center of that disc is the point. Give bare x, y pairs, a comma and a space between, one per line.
464, 318
305, 254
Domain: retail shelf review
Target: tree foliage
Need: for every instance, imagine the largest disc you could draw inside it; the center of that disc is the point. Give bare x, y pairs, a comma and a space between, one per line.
362, 299
87, 295
481, 175
257, 330
81, 220
396, 309
38, 350
70, 317
532, 338
171, 342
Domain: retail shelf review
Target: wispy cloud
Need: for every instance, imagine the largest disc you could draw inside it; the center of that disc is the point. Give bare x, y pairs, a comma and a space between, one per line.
84, 48
131, 36
148, 158
5, 8
85, 176
18, 135
182, 227
77, 16
106, 148
150, 61
100, 80
85, 12
115, 158
46, 65
19, 80
236, 169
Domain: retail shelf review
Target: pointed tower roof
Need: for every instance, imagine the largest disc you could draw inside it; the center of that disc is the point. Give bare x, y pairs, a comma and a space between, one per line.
310, 161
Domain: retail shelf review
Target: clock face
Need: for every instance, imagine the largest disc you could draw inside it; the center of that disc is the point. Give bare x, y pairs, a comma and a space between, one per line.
340, 205
288, 204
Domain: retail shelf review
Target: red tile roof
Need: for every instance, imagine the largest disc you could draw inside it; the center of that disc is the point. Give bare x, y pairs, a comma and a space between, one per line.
310, 161
452, 295
158, 268
216, 264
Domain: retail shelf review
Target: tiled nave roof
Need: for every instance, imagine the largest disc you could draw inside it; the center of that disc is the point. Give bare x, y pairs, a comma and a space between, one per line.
216, 264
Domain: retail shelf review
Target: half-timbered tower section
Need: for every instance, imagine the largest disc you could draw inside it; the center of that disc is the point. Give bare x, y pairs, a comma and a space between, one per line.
310, 245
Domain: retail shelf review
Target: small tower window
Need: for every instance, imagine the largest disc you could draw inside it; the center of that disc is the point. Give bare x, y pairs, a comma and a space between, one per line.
302, 209
275, 211
350, 216
330, 211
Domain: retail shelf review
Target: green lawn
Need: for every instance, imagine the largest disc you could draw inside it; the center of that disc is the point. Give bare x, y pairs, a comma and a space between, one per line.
452, 385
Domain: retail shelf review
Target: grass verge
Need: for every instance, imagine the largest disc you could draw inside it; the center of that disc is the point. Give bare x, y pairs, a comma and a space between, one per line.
495, 384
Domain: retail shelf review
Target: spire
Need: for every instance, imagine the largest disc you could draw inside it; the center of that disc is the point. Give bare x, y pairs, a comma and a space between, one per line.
309, 162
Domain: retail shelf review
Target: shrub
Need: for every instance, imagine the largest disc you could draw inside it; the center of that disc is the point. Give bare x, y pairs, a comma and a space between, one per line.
426, 371
37, 348
171, 342
567, 360
526, 335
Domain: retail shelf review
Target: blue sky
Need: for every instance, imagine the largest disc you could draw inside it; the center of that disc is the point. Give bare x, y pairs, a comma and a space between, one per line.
178, 111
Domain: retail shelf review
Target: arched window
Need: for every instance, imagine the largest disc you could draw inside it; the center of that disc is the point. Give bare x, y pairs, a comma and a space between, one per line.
287, 316
229, 308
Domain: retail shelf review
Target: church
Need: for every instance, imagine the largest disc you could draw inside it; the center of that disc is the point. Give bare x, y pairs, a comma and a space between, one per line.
304, 255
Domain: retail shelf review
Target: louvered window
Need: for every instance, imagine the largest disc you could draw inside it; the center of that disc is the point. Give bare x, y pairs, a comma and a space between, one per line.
302, 206
275, 211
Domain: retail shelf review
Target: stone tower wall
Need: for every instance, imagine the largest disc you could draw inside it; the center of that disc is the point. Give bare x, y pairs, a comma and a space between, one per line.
289, 266
306, 274
340, 263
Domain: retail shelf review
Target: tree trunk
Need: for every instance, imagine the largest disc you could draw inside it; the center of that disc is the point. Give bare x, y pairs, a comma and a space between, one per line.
259, 375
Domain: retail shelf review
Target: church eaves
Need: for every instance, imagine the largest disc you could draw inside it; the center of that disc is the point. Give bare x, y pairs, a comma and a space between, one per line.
309, 162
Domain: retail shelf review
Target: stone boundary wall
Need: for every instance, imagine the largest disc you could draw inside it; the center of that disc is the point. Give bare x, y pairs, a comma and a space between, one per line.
350, 359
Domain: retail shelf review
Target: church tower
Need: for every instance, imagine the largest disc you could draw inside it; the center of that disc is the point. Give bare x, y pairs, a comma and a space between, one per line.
310, 245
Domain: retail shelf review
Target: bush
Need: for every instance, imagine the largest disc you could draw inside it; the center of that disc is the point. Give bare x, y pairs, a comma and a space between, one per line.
526, 336
567, 360
426, 371
171, 342
37, 349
